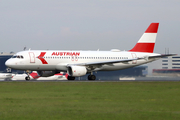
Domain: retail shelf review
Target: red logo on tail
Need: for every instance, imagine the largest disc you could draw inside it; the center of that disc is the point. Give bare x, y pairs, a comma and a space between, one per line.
41, 58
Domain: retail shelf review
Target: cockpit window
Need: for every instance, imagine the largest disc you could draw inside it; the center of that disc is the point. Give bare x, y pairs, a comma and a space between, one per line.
14, 56
18, 56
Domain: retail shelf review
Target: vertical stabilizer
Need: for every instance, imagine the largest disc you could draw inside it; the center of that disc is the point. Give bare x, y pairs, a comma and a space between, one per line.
147, 41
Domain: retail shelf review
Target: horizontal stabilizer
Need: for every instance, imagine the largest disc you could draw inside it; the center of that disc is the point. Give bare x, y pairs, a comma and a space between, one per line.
162, 55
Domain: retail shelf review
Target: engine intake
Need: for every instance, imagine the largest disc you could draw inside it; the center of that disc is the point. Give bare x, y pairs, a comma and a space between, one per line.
76, 71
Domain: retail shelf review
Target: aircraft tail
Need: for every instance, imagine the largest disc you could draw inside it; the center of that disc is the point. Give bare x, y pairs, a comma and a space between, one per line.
147, 41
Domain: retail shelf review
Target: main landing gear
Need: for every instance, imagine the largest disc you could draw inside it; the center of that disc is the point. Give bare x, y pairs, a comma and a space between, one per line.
70, 78
91, 77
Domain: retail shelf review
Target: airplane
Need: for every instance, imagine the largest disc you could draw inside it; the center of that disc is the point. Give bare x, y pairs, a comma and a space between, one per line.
80, 63
5, 76
34, 76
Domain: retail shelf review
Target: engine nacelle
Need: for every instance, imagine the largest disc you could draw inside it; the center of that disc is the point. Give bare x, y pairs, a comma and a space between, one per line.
46, 73
76, 71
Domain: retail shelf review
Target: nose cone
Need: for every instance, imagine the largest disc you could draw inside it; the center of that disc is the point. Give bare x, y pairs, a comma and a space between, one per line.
15, 64
8, 63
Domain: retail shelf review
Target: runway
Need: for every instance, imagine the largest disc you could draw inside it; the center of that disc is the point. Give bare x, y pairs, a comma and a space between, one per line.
136, 79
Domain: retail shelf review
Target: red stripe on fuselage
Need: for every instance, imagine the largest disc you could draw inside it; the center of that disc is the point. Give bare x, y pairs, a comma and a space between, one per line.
143, 47
41, 58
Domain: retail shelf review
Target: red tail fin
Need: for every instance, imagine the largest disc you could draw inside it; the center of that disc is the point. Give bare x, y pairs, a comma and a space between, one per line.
147, 42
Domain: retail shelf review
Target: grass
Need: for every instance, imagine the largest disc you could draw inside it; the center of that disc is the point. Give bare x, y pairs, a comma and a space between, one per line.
89, 100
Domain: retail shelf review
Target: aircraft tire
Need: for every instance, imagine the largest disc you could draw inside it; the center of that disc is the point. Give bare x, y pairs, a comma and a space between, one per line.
91, 77
71, 78
27, 78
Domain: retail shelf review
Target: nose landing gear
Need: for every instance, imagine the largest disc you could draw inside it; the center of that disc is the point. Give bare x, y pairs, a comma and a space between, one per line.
27, 78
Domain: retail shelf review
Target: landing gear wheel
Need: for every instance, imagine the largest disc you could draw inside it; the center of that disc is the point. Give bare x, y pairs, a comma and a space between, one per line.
70, 78
27, 78
91, 77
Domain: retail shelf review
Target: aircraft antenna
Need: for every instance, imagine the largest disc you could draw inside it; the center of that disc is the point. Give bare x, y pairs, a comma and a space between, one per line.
25, 48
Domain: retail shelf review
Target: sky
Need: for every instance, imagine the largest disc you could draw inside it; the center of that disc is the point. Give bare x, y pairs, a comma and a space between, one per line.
87, 25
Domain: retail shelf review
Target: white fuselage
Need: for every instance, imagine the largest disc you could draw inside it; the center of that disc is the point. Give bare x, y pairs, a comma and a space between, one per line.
45, 60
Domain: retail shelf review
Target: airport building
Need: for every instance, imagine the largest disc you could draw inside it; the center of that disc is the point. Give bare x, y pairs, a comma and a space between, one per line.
170, 66
3, 68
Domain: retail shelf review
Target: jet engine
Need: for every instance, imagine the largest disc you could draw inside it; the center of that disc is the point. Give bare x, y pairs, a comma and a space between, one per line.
76, 71
46, 73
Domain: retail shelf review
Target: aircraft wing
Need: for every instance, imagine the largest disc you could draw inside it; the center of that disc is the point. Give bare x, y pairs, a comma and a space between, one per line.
96, 64
105, 62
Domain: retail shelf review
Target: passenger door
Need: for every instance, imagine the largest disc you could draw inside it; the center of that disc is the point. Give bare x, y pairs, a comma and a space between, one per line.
134, 56
32, 57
